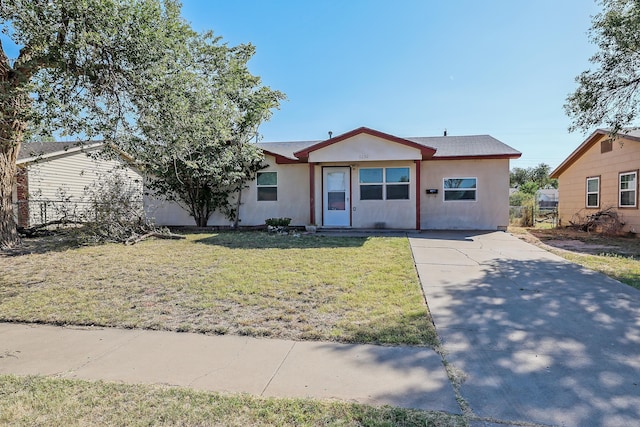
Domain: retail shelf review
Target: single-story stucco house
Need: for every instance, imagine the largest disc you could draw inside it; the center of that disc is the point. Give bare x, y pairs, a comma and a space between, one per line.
369, 179
360, 179
602, 173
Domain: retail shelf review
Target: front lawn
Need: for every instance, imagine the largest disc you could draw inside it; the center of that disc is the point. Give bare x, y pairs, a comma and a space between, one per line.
37, 401
309, 287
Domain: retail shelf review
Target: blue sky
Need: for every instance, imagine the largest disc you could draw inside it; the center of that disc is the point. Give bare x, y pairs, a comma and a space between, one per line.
415, 67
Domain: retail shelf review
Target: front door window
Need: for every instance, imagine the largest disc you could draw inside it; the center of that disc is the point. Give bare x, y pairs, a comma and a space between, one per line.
336, 195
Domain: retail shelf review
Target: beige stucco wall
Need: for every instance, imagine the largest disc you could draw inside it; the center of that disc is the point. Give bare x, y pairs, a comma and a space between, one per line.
293, 201
293, 196
70, 175
398, 214
364, 147
624, 157
490, 210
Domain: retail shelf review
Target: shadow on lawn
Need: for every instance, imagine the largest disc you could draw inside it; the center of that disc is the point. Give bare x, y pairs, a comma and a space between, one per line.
264, 240
54, 242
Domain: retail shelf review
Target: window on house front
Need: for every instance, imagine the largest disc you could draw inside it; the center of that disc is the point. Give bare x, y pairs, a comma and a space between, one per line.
267, 183
593, 192
384, 183
628, 186
460, 189
397, 180
371, 184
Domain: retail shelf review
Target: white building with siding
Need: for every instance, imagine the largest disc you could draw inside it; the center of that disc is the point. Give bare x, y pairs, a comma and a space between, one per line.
57, 177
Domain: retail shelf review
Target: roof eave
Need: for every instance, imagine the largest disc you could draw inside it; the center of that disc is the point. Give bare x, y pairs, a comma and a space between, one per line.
479, 156
69, 150
426, 152
577, 153
283, 160
582, 148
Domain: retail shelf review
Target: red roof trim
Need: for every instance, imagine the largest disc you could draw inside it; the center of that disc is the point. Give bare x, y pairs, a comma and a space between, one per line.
282, 160
427, 152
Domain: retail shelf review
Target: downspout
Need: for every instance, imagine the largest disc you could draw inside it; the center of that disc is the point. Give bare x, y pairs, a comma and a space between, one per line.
418, 173
312, 194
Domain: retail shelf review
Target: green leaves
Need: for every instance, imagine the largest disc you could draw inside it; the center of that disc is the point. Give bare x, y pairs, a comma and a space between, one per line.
197, 115
609, 95
83, 61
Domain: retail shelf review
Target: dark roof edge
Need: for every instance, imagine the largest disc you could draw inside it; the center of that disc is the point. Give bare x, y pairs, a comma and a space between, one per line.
584, 147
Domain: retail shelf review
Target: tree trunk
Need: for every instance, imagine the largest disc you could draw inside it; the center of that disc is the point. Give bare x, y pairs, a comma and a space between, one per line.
8, 232
236, 214
14, 107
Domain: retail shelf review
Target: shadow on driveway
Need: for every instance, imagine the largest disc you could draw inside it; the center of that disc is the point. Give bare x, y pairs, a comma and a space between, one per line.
539, 339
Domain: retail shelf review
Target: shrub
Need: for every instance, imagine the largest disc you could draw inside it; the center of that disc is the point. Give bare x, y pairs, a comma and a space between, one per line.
277, 222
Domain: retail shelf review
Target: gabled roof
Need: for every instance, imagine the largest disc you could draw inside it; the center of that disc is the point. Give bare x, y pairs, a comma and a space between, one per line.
435, 148
468, 147
630, 134
32, 151
427, 152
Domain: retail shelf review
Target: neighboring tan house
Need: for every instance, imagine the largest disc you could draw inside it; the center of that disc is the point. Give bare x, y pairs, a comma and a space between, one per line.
55, 177
368, 179
601, 173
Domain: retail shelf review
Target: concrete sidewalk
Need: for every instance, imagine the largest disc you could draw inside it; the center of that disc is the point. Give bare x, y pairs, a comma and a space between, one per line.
409, 377
538, 340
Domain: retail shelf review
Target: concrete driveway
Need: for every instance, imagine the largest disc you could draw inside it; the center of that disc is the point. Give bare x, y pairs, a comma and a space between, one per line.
533, 338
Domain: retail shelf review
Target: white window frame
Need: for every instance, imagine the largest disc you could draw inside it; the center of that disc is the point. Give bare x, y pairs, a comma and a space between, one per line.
633, 190
445, 190
259, 186
361, 184
398, 183
588, 193
384, 184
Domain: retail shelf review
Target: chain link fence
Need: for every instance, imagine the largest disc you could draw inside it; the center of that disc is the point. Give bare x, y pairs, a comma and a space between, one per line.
34, 213
533, 215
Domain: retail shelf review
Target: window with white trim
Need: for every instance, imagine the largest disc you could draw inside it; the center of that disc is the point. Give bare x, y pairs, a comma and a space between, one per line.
397, 183
460, 189
628, 189
593, 192
267, 183
384, 183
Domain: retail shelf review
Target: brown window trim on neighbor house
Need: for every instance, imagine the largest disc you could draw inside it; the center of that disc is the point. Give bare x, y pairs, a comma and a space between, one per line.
588, 193
634, 190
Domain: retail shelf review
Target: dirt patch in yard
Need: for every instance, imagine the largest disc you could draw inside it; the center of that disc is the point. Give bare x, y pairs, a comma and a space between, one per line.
580, 242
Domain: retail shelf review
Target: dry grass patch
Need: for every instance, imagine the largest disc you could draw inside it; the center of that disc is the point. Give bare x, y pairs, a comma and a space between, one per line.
346, 289
617, 257
37, 401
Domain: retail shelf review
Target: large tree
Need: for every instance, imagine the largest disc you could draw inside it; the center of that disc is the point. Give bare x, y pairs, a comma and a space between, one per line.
609, 94
78, 67
197, 117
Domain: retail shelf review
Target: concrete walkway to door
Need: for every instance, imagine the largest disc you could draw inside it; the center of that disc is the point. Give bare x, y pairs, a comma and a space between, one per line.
538, 340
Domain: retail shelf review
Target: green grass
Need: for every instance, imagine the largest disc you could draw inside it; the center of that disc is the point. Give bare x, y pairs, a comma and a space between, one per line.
37, 401
623, 268
310, 287
616, 256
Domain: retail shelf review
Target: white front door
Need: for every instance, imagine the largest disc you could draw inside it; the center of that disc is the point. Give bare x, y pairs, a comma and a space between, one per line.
336, 196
